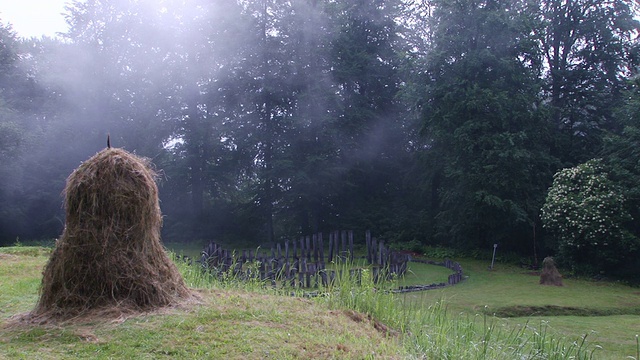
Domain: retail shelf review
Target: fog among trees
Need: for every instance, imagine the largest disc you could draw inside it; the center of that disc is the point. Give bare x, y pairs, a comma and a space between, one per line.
431, 123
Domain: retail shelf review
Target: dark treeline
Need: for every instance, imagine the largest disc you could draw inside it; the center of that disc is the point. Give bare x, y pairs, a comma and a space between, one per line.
430, 122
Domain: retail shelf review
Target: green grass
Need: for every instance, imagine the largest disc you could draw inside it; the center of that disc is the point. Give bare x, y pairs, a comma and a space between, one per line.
432, 331
425, 274
612, 309
20, 272
234, 325
351, 320
508, 287
231, 322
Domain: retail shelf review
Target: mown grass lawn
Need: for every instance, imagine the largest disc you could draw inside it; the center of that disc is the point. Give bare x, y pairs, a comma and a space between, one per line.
509, 291
509, 286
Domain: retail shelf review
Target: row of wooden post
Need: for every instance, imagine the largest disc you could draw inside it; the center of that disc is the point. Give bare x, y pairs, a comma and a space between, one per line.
457, 275
301, 263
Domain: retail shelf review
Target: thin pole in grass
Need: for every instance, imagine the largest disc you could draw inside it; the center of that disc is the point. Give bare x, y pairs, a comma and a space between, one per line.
493, 259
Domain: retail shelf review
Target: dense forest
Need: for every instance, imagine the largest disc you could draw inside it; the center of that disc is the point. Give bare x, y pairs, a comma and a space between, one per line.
457, 123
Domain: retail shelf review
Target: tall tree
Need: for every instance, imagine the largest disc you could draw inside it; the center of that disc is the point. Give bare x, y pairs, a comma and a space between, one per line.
12, 132
481, 115
264, 109
30, 204
201, 59
309, 165
588, 49
621, 152
369, 123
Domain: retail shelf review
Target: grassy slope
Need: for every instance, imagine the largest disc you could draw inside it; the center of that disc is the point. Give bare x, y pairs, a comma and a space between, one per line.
230, 324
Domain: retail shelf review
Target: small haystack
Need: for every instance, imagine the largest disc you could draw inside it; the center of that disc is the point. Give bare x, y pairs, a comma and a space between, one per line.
109, 257
550, 274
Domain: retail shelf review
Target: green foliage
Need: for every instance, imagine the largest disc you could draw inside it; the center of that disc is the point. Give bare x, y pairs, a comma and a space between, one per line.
589, 49
622, 151
275, 119
585, 212
487, 137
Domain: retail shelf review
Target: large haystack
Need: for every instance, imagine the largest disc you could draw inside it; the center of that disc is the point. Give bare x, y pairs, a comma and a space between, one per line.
550, 274
109, 256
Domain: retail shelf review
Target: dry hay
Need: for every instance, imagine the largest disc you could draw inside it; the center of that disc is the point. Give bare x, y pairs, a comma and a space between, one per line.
109, 257
550, 274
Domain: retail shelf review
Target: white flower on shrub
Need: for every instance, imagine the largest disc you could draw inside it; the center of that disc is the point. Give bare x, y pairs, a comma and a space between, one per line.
585, 209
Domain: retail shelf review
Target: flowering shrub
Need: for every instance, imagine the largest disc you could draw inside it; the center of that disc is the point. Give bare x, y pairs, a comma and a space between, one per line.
585, 213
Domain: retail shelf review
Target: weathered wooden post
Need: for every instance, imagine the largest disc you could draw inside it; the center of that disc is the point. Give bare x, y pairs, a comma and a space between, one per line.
367, 236
293, 276
351, 245
336, 247
321, 246
343, 249
324, 278
295, 250
315, 247
302, 266
307, 276
286, 251
374, 251
330, 246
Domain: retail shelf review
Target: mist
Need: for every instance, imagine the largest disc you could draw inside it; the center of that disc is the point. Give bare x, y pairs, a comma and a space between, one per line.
247, 97
269, 120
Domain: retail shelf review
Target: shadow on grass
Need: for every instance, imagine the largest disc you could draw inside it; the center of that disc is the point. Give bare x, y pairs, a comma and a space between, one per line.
553, 310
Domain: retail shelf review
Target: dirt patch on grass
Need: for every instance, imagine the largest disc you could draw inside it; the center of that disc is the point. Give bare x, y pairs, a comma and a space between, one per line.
7, 257
362, 318
87, 335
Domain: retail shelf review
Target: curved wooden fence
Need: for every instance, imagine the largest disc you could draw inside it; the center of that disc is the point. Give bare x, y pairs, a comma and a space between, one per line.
456, 277
302, 263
